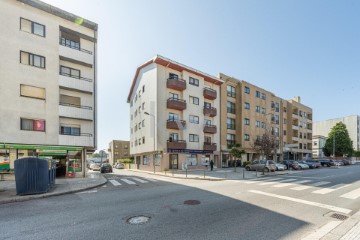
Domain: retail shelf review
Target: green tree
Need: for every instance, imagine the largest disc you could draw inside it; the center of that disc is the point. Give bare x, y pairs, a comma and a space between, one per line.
236, 151
266, 144
96, 155
357, 154
340, 139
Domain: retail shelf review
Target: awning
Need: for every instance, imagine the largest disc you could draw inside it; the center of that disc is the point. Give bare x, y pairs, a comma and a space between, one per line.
40, 147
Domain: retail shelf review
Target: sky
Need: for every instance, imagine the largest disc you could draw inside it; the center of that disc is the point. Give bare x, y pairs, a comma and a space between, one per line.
292, 48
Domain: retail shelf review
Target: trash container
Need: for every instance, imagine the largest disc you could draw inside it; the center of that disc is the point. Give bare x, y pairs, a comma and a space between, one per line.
31, 176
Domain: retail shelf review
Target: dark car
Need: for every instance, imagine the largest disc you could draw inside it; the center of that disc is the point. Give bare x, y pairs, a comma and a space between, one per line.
106, 168
316, 163
291, 164
325, 162
346, 162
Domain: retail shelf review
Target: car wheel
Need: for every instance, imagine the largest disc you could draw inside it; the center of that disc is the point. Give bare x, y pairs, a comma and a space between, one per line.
266, 170
300, 168
247, 168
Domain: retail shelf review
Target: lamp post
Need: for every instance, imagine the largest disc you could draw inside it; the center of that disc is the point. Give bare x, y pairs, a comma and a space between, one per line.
151, 115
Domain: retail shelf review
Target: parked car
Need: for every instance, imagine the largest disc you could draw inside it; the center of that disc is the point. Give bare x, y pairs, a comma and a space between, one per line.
261, 165
316, 163
303, 165
291, 164
346, 162
280, 167
310, 164
105, 168
324, 162
119, 165
339, 163
95, 166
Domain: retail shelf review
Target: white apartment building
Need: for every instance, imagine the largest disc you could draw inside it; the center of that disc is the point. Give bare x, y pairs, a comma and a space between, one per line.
352, 123
48, 82
174, 116
318, 143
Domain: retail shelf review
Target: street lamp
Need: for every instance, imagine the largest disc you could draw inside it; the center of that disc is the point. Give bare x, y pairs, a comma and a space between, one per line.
151, 115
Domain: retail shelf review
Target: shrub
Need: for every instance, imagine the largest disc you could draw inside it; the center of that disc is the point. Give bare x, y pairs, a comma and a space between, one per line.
246, 163
126, 160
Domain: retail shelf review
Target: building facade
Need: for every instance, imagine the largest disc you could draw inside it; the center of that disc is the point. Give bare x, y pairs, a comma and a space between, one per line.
352, 123
49, 72
318, 143
118, 149
174, 116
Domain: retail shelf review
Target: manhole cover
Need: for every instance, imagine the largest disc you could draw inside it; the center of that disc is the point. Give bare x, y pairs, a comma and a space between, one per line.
138, 220
191, 202
339, 216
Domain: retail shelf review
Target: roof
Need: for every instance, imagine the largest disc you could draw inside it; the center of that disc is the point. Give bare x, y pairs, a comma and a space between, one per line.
173, 65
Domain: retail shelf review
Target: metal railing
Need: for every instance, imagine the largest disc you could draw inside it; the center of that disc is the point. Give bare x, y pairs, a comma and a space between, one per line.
76, 134
74, 47
74, 76
74, 105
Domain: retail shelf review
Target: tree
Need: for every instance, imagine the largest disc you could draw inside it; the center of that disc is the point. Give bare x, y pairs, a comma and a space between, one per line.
236, 151
96, 155
357, 154
266, 144
339, 141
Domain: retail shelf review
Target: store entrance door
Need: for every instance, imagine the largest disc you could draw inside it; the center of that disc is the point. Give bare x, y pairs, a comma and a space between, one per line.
174, 161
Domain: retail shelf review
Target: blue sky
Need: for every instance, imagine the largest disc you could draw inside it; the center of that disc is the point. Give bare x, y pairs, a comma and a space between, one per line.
292, 48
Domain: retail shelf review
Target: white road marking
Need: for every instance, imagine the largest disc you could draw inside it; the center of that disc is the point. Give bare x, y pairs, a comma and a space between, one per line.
310, 186
89, 191
282, 181
139, 180
332, 208
331, 189
262, 181
288, 184
114, 182
352, 195
151, 179
127, 181
321, 232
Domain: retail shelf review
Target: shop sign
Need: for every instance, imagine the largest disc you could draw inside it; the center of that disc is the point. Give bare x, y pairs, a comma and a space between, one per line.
189, 151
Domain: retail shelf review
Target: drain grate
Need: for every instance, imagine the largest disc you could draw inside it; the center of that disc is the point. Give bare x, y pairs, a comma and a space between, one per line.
191, 202
137, 220
339, 216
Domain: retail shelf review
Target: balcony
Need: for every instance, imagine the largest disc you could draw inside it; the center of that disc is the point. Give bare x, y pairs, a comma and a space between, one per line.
209, 93
210, 129
80, 83
175, 124
84, 140
295, 139
211, 112
209, 146
75, 111
176, 84
176, 104
295, 127
76, 53
179, 144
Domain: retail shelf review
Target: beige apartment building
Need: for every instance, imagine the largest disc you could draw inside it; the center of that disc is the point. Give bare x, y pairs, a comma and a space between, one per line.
248, 111
118, 149
48, 78
174, 116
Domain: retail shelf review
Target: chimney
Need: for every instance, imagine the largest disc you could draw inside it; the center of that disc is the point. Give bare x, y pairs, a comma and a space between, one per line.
297, 99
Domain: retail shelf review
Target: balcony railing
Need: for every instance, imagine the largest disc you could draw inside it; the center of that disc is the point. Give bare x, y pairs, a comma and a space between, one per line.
74, 76
62, 42
176, 84
209, 146
175, 124
76, 134
177, 104
210, 129
231, 110
209, 93
74, 105
178, 144
211, 112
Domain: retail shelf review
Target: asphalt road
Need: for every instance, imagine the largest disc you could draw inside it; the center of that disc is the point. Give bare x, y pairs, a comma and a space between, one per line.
280, 207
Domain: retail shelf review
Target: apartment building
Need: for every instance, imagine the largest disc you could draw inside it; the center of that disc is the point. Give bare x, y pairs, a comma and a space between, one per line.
118, 149
174, 116
48, 77
252, 111
352, 123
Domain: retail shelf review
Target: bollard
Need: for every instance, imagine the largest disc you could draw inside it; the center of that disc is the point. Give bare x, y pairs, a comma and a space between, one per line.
204, 173
243, 173
256, 173
172, 171
186, 172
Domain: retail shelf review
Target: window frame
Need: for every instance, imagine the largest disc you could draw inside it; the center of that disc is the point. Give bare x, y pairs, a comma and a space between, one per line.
194, 81
30, 58
193, 137
32, 23
33, 124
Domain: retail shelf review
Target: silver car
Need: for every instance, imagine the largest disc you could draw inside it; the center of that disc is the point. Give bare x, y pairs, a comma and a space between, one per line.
261, 165
280, 167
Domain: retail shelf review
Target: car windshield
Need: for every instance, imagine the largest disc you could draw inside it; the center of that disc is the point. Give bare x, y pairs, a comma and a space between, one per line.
271, 162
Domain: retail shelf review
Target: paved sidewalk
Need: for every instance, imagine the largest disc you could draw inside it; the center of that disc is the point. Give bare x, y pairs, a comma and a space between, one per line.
62, 186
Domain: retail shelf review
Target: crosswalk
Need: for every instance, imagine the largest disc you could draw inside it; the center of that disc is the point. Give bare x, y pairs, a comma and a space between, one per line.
116, 181
315, 187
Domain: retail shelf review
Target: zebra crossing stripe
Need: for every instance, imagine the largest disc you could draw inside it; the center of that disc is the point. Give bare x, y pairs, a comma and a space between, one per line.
331, 189
300, 188
288, 184
352, 195
127, 181
139, 180
114, 182
151, 179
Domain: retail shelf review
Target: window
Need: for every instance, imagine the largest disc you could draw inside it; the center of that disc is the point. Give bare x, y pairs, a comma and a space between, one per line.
65, 41
257, 94
139, 125
194, 100
247, 121
70, 72
145, 160
73, 131
207, 105
32, 27
193, 138
263, 125
284, 132
230, 139
315, 143
31, 91
173, 116
173, 76
139, 141
173, 137
194, 119
263, 96
272, 104
139, 109
247, 105
263, 110
143, 106
300, 145
174, 96
276, 107
257, 124
247, 137
32, 59
277, 119
143, 88
284, 120
32, 124
231, 107
143, 140
247, 90
257, 109
139, 93
207, 139
231, 91
135, 113
230, 123
207, 122
194, 81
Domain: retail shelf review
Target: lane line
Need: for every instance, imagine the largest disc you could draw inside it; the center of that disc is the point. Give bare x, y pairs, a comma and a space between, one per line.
321, 232
300, 188
316, 204
114, 182
288, 184
352, 195
139, 180
127, 181
331, 189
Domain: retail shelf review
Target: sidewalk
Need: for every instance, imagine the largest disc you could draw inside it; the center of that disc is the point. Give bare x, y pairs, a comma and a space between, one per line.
62, 186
